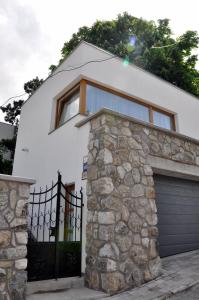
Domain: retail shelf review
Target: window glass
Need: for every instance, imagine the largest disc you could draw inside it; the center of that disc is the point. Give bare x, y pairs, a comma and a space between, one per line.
97, 99
162, 120
70, 108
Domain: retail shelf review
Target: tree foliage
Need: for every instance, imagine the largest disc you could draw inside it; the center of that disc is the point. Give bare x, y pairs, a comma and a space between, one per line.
136, 40
31, 86
12, 113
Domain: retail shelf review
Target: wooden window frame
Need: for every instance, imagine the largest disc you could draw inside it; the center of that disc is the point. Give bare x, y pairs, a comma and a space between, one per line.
151, 107
70, 188
61, 102
82, 104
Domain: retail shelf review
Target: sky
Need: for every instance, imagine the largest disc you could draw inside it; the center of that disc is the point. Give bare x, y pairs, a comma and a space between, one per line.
32, 32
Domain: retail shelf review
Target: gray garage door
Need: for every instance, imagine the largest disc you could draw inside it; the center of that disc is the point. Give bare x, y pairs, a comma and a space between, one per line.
178, 214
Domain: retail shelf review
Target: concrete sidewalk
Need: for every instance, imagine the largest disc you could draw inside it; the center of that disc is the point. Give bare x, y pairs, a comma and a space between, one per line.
62, 289
179, 273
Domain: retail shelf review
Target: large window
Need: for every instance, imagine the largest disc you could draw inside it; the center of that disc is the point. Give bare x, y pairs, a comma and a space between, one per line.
88, 97
97, 98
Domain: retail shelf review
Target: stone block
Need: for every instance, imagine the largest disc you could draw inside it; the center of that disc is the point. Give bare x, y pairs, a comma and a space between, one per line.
103, 186
151, 219
18, 222
107, 156
2, 273
123, 242
13, 199
135, 223
111, 202
112, 282
3, 223
125, 214
8, 215
5, 238
106, 232
129, 179
13, 253
24, 190
95, 123
106, 265
121, 172
109, 250
126, 131
127, 166
3, 200
121, 228
94, 281
3, 187
21, 208
155, 267
150, 192
92, 172
153, 253
106, 217
5, 264
134, 144
21, 264
137, 190
138, 255
21, 237
145, 242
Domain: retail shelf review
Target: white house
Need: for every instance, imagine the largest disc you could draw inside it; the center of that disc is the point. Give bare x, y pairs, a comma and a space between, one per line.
54, 126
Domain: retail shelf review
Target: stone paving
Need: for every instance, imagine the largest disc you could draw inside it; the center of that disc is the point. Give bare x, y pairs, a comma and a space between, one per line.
179, 273
191, 294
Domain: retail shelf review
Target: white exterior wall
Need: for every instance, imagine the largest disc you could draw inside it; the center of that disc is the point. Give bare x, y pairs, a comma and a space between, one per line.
65, 147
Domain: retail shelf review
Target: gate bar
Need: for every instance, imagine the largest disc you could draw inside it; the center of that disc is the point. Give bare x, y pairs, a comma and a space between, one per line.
57, 226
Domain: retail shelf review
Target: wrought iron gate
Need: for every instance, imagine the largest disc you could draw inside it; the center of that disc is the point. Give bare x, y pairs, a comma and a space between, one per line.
54, 233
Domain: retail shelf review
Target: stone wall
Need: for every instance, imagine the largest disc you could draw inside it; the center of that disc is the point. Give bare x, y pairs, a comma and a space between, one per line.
121, 223
14, 193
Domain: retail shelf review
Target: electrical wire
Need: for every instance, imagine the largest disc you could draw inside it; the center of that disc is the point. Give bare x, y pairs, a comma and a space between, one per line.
166, 46
64, 70
12, 98
82, 65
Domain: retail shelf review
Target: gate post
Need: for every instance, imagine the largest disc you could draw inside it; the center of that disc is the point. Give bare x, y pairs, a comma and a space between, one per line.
14, 194
57, 225
81, 223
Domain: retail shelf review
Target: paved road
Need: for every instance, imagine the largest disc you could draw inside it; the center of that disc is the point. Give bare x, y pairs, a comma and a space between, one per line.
192, 294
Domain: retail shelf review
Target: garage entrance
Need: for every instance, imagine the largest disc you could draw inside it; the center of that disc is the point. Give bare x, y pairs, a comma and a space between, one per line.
177, 203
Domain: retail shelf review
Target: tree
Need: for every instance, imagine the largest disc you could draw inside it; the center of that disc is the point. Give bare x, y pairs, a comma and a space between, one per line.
136, 40
31, 86
12, 114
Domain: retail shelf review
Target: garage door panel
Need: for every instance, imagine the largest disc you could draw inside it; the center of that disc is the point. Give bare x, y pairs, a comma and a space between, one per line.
179, 239
179, 229
176, 199
174, 209
178, 214
179, 190
175, 249
178, 219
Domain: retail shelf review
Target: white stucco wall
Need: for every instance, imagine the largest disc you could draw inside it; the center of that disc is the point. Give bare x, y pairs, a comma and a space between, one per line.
65, 147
